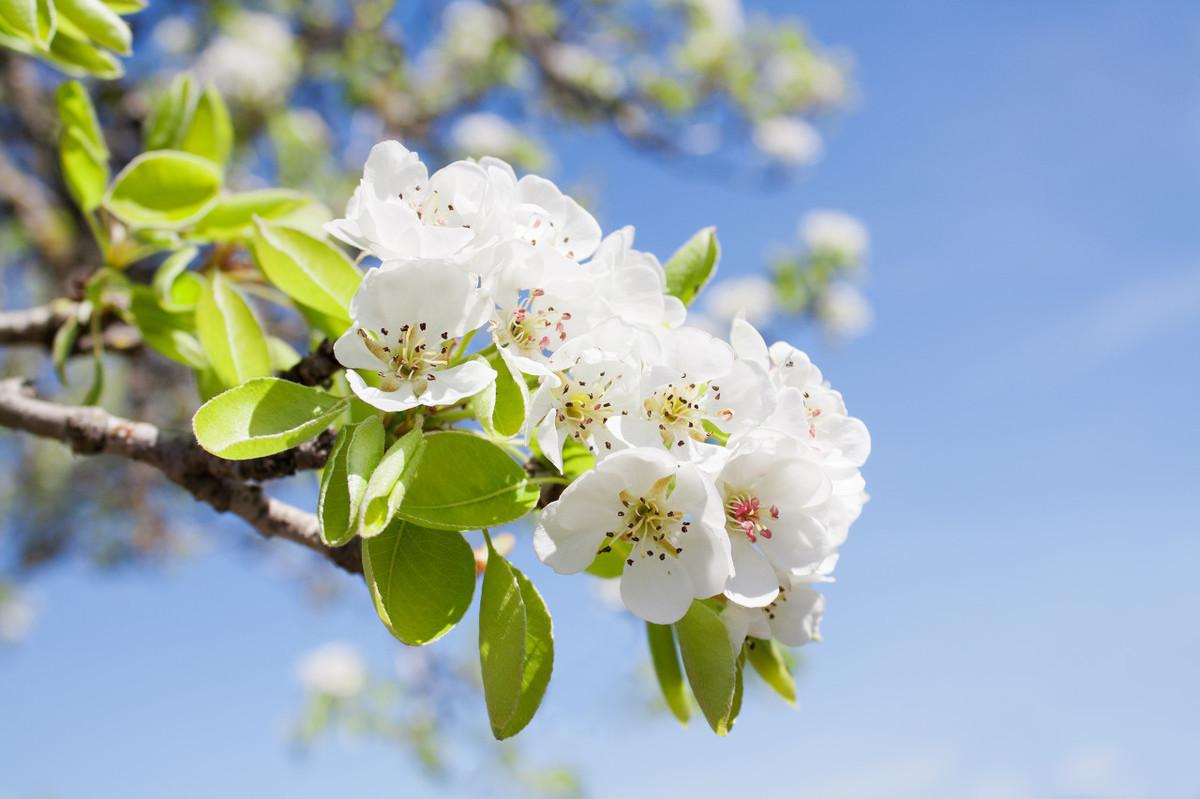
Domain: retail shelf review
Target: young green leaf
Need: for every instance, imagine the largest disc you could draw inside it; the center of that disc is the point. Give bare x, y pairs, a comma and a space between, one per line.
168, 274
171, 332
311, 271
466, 482
710, 664
767, 659
422, 581
64, 345
98, 22
263, 416
164, 188
500, 407
516, 646
75, 110
74, 54
230, 334
356, 452
233, 215
85, 173
33, 20
693, 265
665, 658
209, 132
389, 483
170, 114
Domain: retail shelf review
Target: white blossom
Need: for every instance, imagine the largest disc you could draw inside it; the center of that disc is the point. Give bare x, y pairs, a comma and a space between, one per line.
484, 133
408, 317
751, 297
400, 211
577, 405
843, 310
789, 140
253, 60
662, 516
698, 384
836, 233
774, 491
335, 669
793, 618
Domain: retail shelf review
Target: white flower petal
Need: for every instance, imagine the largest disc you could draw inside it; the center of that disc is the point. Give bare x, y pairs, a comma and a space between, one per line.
753, 583
657, 590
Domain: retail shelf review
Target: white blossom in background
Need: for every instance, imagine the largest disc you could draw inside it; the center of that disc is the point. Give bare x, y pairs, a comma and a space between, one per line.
408, 317
253, 59
751, 297
485, 133
835, 233
665, 517
334, 669
844, 311
578, 64
469, 31
16, 616
789, 140
174, 35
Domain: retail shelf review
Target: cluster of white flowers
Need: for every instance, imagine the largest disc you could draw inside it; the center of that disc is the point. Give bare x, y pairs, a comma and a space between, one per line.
723, 468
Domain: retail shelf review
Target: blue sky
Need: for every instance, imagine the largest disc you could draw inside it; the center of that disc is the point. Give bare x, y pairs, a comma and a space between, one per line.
1015, 614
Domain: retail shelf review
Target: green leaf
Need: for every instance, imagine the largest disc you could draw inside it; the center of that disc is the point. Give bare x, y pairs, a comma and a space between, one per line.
710, 664
126, 7
75, 110
500, 407
98, 22
767, 659
665, 658
167, 277
209, 132
311, 271
231, 336
85, 174
33, 20
164, 188
389, 483
283, 355
64, 345
466, 482
75, 56
693, 265
356, 452
170, 113
263, 416
516, 646
422, 580
233, 215
168, 331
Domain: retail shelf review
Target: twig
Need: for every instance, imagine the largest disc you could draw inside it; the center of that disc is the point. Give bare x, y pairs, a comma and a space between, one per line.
221, 484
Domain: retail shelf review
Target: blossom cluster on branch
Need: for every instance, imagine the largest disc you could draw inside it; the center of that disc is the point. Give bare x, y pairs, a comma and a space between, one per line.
698, 468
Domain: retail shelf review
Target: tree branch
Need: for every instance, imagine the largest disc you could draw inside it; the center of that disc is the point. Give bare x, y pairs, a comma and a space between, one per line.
222, 484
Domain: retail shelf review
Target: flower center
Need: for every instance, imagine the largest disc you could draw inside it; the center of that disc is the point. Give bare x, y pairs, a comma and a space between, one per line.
650, 531
431, 209
744, 515
532, 327
675, 408
582, 404
409, 357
